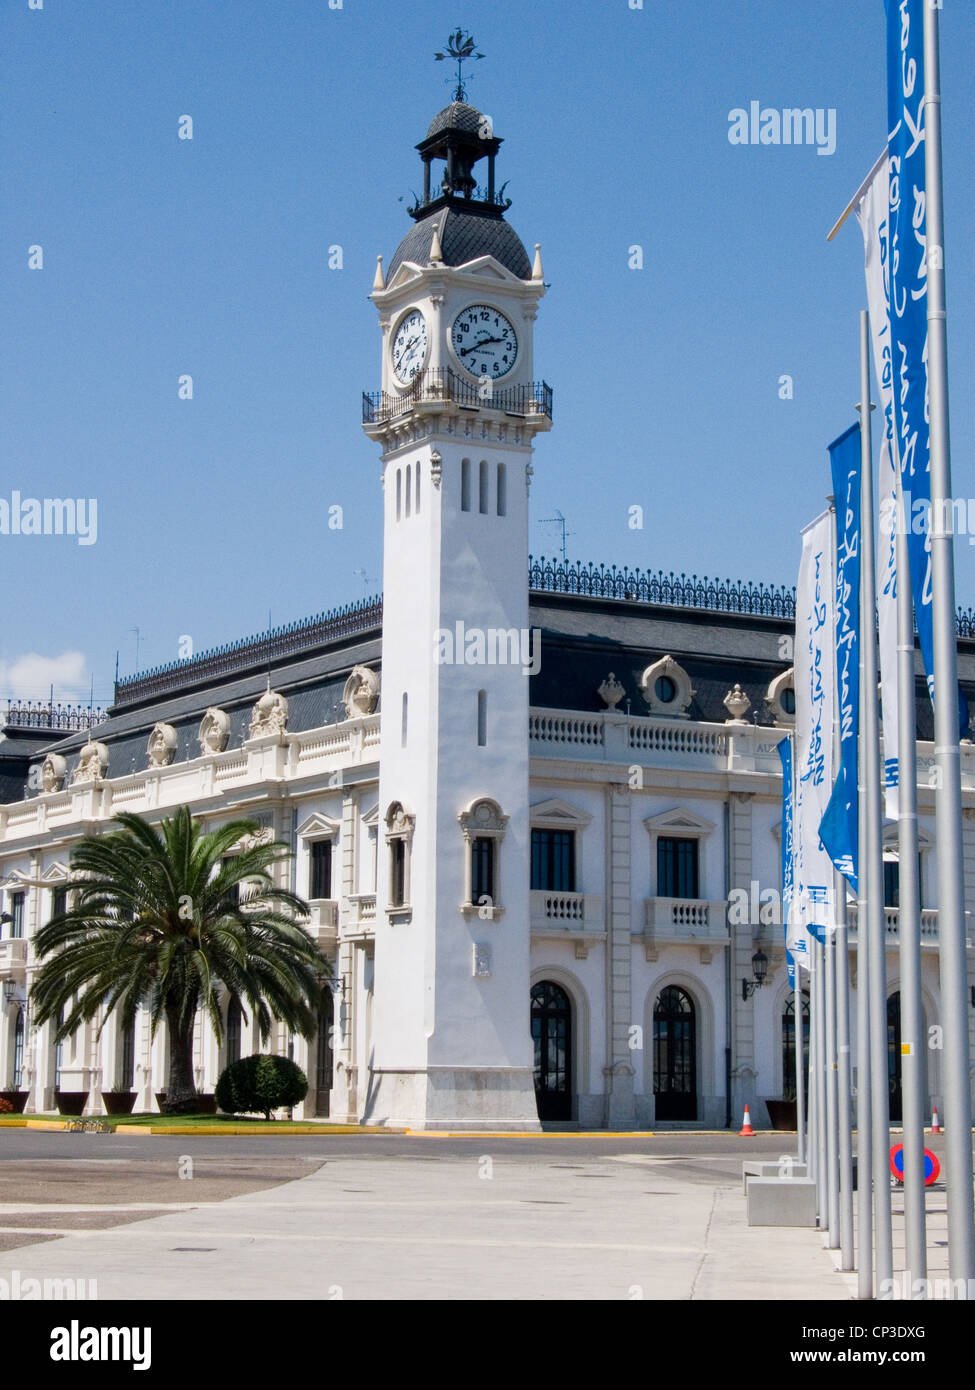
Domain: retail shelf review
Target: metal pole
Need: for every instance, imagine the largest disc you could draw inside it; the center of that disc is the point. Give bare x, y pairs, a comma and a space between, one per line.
800, 1066
864, 1088
951, 893
821, 1120
871, 877
909, 922
812, 1122
844, 1108
832, 1144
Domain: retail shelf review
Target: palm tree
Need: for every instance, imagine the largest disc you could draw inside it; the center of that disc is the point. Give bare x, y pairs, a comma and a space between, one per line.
161, 918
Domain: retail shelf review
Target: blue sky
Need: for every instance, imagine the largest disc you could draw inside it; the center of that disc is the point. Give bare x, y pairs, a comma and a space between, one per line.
210, 257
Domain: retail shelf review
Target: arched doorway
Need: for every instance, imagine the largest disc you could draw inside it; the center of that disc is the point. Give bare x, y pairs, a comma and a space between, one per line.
894, 1056
323, 1054
18, 1050
675, 1055
551, 1014
789, 1089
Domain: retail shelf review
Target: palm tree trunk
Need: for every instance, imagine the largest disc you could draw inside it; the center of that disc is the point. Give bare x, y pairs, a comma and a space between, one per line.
181, 1092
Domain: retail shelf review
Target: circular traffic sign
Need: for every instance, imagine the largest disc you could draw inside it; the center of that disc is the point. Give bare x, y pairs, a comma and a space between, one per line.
932, 1168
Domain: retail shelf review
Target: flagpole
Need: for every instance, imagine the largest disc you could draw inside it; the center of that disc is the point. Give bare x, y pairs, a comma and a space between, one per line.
829, 952
844, 1108
951, 895
801, 1070
864, 1087
822, 1122
873, 919
909, 919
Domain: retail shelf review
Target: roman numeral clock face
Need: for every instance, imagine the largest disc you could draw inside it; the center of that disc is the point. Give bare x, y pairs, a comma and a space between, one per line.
409, 349
484, 341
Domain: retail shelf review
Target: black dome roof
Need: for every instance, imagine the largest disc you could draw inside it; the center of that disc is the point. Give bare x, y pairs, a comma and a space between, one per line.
463, 237
457, 116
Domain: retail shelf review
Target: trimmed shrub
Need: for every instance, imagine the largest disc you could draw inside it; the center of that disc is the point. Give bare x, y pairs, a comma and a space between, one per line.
260, 1083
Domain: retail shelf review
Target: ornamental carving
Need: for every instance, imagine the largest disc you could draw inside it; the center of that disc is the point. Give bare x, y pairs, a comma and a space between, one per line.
270, 715
737, 703
162, 745
399, 821
667, 688
92, 762
214, 731
611, 691
53, 772
436, 467
361, 694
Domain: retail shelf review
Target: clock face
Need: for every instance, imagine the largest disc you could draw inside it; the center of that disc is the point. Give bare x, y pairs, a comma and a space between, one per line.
409, 346
484, 341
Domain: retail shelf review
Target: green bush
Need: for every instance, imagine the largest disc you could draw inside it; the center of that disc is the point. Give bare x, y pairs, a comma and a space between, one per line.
260, 1083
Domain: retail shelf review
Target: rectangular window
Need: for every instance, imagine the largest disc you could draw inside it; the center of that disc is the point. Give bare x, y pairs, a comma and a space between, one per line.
482, 869
397, 873
17, 913
320, 875
677, 868
892, 882
233, 892
465, 485
554, 860
59, 901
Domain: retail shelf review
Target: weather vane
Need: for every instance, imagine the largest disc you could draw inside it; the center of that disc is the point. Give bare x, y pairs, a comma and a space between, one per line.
461, 46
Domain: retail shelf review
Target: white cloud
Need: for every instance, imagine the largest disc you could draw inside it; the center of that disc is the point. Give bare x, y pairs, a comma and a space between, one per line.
30, 677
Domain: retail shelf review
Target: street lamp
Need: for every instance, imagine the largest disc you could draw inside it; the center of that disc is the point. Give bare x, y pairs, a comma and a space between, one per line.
760, 971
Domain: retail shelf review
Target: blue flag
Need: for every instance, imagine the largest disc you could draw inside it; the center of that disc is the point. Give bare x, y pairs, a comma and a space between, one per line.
838, 828
788, 850
909, 309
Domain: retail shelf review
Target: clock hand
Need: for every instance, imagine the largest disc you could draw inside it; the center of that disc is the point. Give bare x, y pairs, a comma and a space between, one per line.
482, 342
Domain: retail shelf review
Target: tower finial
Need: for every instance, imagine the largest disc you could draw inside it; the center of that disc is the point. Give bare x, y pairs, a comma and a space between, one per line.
436, 250
378, 282
537, 273
462, 47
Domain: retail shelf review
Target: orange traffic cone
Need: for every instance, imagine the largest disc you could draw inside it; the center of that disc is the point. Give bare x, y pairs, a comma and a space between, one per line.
935, 1122
746, 1130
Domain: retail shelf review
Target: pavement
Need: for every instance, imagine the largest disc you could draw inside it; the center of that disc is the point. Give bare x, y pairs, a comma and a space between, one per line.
402, 1217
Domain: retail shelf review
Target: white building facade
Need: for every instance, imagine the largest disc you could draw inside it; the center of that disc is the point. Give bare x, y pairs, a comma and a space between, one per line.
535, 809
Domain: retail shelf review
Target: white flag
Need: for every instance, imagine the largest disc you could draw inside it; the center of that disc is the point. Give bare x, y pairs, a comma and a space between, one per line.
872, 210
815, 683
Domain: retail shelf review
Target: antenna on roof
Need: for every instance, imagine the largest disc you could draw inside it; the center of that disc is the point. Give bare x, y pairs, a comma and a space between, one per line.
558, 520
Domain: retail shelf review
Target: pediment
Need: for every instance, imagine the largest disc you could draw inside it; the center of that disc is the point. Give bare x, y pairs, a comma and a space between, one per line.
16, 878
371, 818
56, 873
679, 821
556, 813
318, 827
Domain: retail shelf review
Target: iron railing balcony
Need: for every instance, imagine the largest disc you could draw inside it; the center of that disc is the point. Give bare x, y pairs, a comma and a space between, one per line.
439, 386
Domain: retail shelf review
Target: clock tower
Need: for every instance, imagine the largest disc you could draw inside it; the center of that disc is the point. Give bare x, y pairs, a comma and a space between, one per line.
456, 420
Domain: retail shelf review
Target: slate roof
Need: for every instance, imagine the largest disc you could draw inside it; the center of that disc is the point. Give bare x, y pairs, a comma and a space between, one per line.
584, 638
463, 237
459, 115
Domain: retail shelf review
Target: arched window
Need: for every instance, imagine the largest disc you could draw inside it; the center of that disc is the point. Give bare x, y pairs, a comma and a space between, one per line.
465, 485
18, 1049
234, 1015
125, 1057
409, 488
482, 719
416, 488
399, 493
404, 722
483, 488
675, 1055
789, 1090
502, 490
551, 1015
